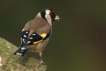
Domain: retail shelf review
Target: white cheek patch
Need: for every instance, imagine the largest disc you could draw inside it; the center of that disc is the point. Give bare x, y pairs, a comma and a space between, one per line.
48, 18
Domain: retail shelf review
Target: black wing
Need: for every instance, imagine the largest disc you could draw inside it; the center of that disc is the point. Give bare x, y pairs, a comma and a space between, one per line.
34, 38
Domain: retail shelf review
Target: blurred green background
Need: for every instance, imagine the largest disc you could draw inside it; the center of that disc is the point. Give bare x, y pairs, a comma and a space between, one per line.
78, 42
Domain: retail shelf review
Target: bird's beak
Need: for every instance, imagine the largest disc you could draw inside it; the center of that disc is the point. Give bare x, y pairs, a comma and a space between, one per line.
57, 18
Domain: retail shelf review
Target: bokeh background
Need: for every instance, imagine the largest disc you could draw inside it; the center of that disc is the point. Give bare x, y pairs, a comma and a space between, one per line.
78, 42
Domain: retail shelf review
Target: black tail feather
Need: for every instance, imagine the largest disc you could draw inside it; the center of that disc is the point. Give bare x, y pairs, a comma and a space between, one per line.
20, 52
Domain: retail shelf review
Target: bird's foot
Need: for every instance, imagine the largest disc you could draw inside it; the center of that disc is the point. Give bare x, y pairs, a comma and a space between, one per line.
41, 63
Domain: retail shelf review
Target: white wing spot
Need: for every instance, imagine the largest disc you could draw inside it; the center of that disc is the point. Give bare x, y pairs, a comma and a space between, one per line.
26, 32
28, 42
33, 34
19, 54
31, 38
23, 40
23, 48
25, 36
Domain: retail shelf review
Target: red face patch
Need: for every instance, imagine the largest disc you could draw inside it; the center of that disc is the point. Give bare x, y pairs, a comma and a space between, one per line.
53, 12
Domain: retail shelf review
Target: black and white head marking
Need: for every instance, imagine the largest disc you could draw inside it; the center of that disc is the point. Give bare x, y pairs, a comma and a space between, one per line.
48, 15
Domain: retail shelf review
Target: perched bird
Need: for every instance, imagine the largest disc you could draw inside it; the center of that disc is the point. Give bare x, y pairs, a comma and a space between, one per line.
36, 33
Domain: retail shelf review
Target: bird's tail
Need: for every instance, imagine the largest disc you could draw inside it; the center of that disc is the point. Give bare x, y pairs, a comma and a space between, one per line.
21, 51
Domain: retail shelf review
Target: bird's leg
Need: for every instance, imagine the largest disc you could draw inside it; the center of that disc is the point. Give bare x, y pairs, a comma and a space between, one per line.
41, 60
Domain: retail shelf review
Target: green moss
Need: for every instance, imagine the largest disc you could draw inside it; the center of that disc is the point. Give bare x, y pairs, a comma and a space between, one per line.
16, 63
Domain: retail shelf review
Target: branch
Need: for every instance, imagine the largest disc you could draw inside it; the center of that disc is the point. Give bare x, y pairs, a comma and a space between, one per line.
10, 62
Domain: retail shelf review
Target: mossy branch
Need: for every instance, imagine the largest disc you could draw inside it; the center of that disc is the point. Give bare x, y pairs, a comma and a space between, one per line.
10, 62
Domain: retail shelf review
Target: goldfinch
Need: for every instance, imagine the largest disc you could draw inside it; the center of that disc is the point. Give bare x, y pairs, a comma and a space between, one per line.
36, 33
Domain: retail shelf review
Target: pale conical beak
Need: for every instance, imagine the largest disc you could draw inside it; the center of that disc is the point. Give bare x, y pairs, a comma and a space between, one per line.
57, 18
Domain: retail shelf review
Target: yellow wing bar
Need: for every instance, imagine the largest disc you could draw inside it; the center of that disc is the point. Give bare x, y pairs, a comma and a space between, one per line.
42, 35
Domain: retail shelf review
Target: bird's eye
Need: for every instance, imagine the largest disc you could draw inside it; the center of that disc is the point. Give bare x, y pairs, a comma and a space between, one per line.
52, 15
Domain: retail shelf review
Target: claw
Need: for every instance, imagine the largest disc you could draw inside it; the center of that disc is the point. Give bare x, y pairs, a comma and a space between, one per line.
41, 63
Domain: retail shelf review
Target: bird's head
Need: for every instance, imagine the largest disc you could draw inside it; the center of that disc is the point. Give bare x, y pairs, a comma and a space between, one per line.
49, 15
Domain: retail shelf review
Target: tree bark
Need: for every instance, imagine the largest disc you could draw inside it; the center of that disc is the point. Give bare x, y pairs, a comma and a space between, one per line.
10, 62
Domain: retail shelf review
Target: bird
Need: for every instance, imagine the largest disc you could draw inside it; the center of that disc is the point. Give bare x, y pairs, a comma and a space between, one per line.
36, 33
